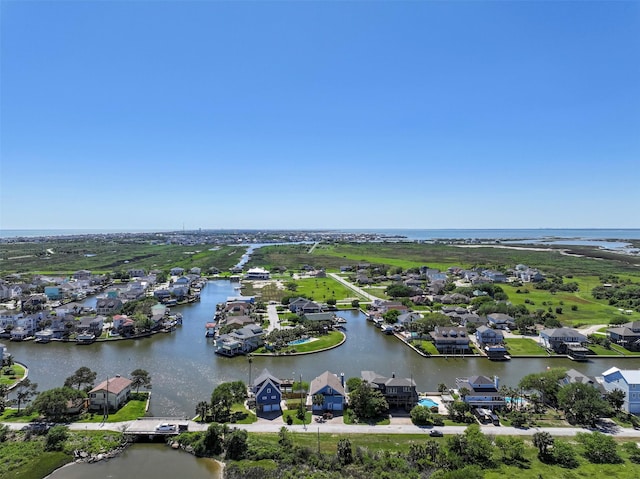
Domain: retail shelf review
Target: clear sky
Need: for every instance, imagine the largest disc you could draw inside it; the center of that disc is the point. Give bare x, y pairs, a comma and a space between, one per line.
358, 114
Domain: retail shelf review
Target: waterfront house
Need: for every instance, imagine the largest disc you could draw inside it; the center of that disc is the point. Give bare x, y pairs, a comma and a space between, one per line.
257, 274
182, 281
626, 335
481, 392
303, 305
110, 394
91, 325
196, 271
406, 319
241, 341
486, 335
500, 321
237, 322
266, 389
316, 317
331, 387
399, 392
450, 339
628, 381
108, 306
136, 272
560, 339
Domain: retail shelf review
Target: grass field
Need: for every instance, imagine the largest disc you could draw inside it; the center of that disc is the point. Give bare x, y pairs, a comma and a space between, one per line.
322, 289
129, 412
524, 347
16, 374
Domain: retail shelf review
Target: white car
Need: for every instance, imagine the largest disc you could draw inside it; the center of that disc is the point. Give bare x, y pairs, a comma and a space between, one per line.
164, 427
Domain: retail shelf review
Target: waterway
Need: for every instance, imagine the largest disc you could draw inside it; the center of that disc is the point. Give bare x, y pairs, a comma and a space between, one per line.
184, 368
145, 460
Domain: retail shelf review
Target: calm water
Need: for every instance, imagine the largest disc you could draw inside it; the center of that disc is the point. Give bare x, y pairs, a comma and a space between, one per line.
185, 370
412, 234
145, 460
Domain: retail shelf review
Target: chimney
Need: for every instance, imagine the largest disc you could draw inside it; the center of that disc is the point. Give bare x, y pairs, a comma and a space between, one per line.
342, 379
393, 374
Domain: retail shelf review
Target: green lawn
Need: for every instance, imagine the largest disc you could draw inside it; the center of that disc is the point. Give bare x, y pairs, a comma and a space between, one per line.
322, 289
624, 351
11, 374
602, 351
524, 347
130, 411
241, 415
427, 346
322, 342
308, 417
589, 310
11, 415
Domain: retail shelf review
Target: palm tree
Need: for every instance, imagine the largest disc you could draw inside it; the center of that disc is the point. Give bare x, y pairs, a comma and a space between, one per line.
318, 400
202, 410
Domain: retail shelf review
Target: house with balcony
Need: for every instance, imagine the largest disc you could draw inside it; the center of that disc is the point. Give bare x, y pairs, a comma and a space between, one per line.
109, 306
399, 392
241, 341
267, 393
564, 341
481, 392
451, 339
331, 387
500, 321
110, 394
628, 381
256, 274
626, 335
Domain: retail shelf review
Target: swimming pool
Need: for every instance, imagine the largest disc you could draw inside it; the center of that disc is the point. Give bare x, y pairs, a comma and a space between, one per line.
298, 341
427, 402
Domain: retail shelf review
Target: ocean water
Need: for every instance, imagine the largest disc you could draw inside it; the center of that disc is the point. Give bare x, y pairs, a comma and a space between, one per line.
508, 234
548, 234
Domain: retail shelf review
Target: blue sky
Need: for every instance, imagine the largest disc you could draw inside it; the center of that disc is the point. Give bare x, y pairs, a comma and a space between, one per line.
274, 115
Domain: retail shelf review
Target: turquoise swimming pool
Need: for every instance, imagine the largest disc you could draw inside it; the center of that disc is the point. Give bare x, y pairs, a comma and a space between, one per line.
298, 341
427, 402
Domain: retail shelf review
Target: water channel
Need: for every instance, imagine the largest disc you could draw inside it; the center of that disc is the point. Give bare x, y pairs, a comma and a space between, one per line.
184, 368
145, 460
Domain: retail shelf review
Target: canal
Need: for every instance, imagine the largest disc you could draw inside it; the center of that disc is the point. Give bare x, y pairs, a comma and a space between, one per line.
184, 368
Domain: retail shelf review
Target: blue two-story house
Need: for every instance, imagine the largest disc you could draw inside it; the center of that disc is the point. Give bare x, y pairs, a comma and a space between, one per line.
331, 387
266, 389
628, 381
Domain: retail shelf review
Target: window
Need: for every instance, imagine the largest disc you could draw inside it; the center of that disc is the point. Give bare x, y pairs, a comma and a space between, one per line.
273, 397
268, 390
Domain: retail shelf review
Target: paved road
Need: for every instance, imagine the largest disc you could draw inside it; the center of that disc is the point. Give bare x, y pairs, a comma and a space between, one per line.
339, 428
352, 286
272, 314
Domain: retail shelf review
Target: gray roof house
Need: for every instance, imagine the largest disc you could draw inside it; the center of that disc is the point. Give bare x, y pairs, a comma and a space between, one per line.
399, 392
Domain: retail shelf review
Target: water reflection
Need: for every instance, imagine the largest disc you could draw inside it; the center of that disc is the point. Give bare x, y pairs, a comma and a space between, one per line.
145, 460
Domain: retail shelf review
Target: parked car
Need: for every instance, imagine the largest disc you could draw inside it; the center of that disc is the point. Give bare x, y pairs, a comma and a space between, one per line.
435, 433
164, 427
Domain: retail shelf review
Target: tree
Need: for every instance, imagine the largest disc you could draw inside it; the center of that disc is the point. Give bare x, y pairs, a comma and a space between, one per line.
368, 403
284, 439
140, 378
443, 388
563, 454
202, 410
211, 443
582, 403
398, 291
56, 436
599, 448
511, 448
83, 375
344, 453
224, 396
235, 444
353, 383
458, 411
546, 383
616, 398
473, 447
391, 316
53, 403
318, 400
4, 390
421, 415
543, 441
25, 390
